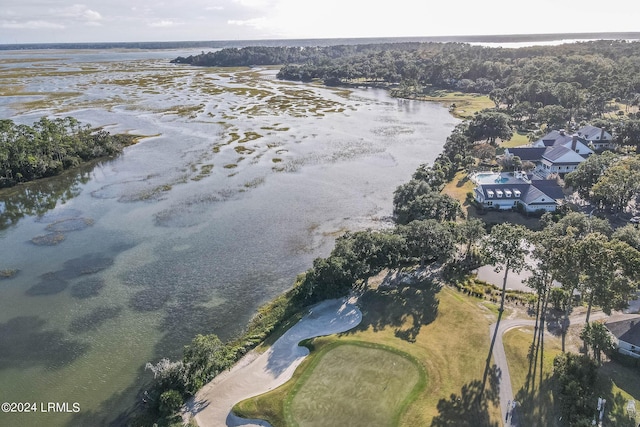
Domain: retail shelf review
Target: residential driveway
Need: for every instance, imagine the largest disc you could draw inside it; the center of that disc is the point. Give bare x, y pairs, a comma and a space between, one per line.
258, 373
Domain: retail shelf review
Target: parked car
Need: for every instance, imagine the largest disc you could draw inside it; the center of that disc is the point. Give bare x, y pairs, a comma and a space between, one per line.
635, 220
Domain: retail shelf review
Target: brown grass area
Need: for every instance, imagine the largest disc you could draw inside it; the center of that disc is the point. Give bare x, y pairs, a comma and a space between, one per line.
461, 105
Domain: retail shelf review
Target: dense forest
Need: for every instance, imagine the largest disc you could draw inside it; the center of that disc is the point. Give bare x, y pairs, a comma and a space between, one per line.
535, 84
51, 146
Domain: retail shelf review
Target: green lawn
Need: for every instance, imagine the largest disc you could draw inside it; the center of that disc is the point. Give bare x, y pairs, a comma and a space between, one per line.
516, 140
355, 384
458, 188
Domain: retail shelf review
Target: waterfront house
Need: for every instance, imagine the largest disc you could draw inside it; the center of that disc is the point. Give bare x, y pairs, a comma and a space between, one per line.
561, 138
626, 331
517, 190
596, 137
556, 152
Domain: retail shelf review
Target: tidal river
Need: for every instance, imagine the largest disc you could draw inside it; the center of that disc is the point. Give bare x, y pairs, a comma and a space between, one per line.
240, 182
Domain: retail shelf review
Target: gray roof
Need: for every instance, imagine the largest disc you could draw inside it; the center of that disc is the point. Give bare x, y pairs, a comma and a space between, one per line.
550, 187
528, 192
532, 154
627, 330
555, 137
554, 153
592, 133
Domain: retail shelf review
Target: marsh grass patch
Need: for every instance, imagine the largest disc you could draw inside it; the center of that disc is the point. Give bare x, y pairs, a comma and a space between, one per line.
71, 224
241, 149
205, 171
254, 182
8, 273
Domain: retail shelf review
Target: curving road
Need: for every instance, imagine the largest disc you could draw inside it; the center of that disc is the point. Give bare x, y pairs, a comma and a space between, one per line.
258, 373
500, 358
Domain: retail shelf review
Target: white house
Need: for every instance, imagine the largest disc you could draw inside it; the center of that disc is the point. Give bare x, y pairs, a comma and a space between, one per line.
556, 152
560, 159
561, 138
505, 191
596, 137
626, 330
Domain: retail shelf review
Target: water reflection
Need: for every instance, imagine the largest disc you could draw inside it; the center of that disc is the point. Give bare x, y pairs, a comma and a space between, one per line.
39, 197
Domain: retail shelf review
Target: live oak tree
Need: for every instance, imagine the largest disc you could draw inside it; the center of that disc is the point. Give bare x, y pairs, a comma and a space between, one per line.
630, 234
619, 184
489, 126
566, 264
424, 205
50, 146
204, 358
627, 132
546, 252
428, 240
608, 272
589, 172
575, 377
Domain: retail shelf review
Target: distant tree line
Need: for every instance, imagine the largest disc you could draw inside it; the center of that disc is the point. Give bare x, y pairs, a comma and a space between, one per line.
277, 55
539, 85
50, 146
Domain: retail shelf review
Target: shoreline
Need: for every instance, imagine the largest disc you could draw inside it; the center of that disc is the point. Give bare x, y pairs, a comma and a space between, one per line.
251, 369
256, 374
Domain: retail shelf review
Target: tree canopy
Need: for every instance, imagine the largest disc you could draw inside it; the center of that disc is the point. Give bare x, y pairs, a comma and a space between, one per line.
51, 146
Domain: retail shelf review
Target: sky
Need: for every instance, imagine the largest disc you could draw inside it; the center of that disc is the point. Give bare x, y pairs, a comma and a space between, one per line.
60, 21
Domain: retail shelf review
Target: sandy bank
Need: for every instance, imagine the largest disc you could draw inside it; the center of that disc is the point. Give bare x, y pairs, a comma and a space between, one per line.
258, 373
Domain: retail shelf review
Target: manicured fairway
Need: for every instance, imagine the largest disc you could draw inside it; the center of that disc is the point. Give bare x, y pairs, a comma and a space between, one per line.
354, 385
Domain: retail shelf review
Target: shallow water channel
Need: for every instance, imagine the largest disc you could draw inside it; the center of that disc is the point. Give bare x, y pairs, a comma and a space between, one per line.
242, 181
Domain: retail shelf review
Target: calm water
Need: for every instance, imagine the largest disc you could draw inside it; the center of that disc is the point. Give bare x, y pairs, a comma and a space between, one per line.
241, 183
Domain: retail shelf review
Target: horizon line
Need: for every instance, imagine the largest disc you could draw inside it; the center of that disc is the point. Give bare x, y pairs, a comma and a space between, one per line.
504, 38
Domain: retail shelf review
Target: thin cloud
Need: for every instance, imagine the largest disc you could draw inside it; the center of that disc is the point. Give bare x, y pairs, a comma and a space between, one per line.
165, 23
78, 12
258, 23
253, 3
31, 25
